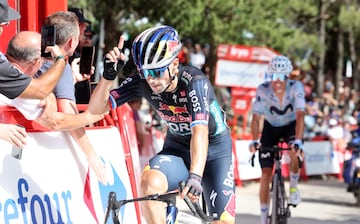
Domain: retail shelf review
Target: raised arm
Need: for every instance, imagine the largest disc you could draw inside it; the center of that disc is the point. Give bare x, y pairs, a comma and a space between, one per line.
114, 61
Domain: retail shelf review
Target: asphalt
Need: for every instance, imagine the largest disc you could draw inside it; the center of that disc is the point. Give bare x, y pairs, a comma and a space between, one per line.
324, 200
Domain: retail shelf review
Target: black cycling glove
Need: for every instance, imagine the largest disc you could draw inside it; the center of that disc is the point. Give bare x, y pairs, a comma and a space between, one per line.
194, 183
111, 69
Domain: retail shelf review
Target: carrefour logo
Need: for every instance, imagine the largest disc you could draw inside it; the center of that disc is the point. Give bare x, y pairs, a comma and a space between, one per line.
116, 185
29, 204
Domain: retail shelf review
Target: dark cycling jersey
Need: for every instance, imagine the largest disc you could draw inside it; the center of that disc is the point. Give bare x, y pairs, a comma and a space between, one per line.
193, 102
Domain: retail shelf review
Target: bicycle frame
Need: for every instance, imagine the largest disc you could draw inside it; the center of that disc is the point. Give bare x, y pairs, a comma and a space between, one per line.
169, 198
280, 210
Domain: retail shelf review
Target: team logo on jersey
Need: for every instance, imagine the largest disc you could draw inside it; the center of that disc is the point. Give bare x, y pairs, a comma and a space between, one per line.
173, 109
276, 110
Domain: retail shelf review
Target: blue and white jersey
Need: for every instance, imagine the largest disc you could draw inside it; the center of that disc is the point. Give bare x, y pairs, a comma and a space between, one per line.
268, 104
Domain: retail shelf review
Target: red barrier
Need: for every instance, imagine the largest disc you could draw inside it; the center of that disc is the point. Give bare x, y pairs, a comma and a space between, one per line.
127, 126
237, 179
11, 115
118, 117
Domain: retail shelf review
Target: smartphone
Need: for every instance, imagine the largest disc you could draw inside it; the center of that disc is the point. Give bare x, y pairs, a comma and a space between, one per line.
48, 38
86, 59
16, 152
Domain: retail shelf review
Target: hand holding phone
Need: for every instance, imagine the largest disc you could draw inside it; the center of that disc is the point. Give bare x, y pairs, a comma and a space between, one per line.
48, 38
86, 59
16, 152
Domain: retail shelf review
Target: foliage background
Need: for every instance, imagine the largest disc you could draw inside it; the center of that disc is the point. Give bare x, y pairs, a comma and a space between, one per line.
319, 35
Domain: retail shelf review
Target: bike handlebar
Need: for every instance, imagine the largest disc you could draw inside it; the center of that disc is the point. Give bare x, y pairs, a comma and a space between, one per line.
114, 205
275, 148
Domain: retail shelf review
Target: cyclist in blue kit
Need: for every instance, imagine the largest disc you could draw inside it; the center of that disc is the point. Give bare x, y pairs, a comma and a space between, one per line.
197, 148
281, 102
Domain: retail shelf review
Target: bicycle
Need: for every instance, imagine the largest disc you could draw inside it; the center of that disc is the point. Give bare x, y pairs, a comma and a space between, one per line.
279, 205
169, 198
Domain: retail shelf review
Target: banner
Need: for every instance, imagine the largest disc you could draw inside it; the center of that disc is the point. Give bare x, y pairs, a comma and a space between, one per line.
52, 182
242, 66
319, 159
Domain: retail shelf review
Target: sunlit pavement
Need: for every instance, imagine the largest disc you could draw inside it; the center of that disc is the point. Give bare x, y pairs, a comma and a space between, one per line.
323, 201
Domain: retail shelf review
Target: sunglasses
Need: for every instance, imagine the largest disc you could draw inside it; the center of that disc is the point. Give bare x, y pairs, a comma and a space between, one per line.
278, 76
155, 73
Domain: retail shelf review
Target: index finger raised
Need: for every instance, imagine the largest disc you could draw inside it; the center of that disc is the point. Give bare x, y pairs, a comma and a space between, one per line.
121, 42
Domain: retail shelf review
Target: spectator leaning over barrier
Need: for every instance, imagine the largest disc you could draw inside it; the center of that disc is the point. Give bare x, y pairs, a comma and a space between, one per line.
67, 38
197, 147
13, 83
282, 103
23, 53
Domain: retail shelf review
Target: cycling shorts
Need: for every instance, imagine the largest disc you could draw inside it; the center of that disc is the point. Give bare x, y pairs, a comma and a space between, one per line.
218, 177
270, 136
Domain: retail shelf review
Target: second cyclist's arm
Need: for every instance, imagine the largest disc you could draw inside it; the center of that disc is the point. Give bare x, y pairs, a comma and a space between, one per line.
255, 126
299, 129
300, 106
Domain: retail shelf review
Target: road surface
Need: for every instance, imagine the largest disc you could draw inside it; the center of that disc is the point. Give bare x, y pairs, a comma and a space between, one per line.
323, 201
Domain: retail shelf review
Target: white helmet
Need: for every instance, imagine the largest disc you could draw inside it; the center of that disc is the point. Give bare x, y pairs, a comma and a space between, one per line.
280, 64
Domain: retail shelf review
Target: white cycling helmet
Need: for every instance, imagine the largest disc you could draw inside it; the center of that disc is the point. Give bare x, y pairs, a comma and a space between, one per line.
156, 47
280, 64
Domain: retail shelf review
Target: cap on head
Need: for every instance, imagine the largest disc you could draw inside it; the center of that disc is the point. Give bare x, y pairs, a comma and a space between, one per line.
89, 31
80, 14
156, 47
280, 64
7, 13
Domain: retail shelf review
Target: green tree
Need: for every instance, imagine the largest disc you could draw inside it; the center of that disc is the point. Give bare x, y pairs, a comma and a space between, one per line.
305, 30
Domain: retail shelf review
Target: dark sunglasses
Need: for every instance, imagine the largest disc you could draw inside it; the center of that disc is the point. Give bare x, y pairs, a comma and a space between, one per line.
155, 73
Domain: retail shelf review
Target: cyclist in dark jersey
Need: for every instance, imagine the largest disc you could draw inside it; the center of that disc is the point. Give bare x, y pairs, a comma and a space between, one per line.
197, 147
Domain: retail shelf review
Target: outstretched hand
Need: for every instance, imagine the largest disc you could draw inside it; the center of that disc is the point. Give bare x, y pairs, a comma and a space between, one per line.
15, 134
98, 167
114, 61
